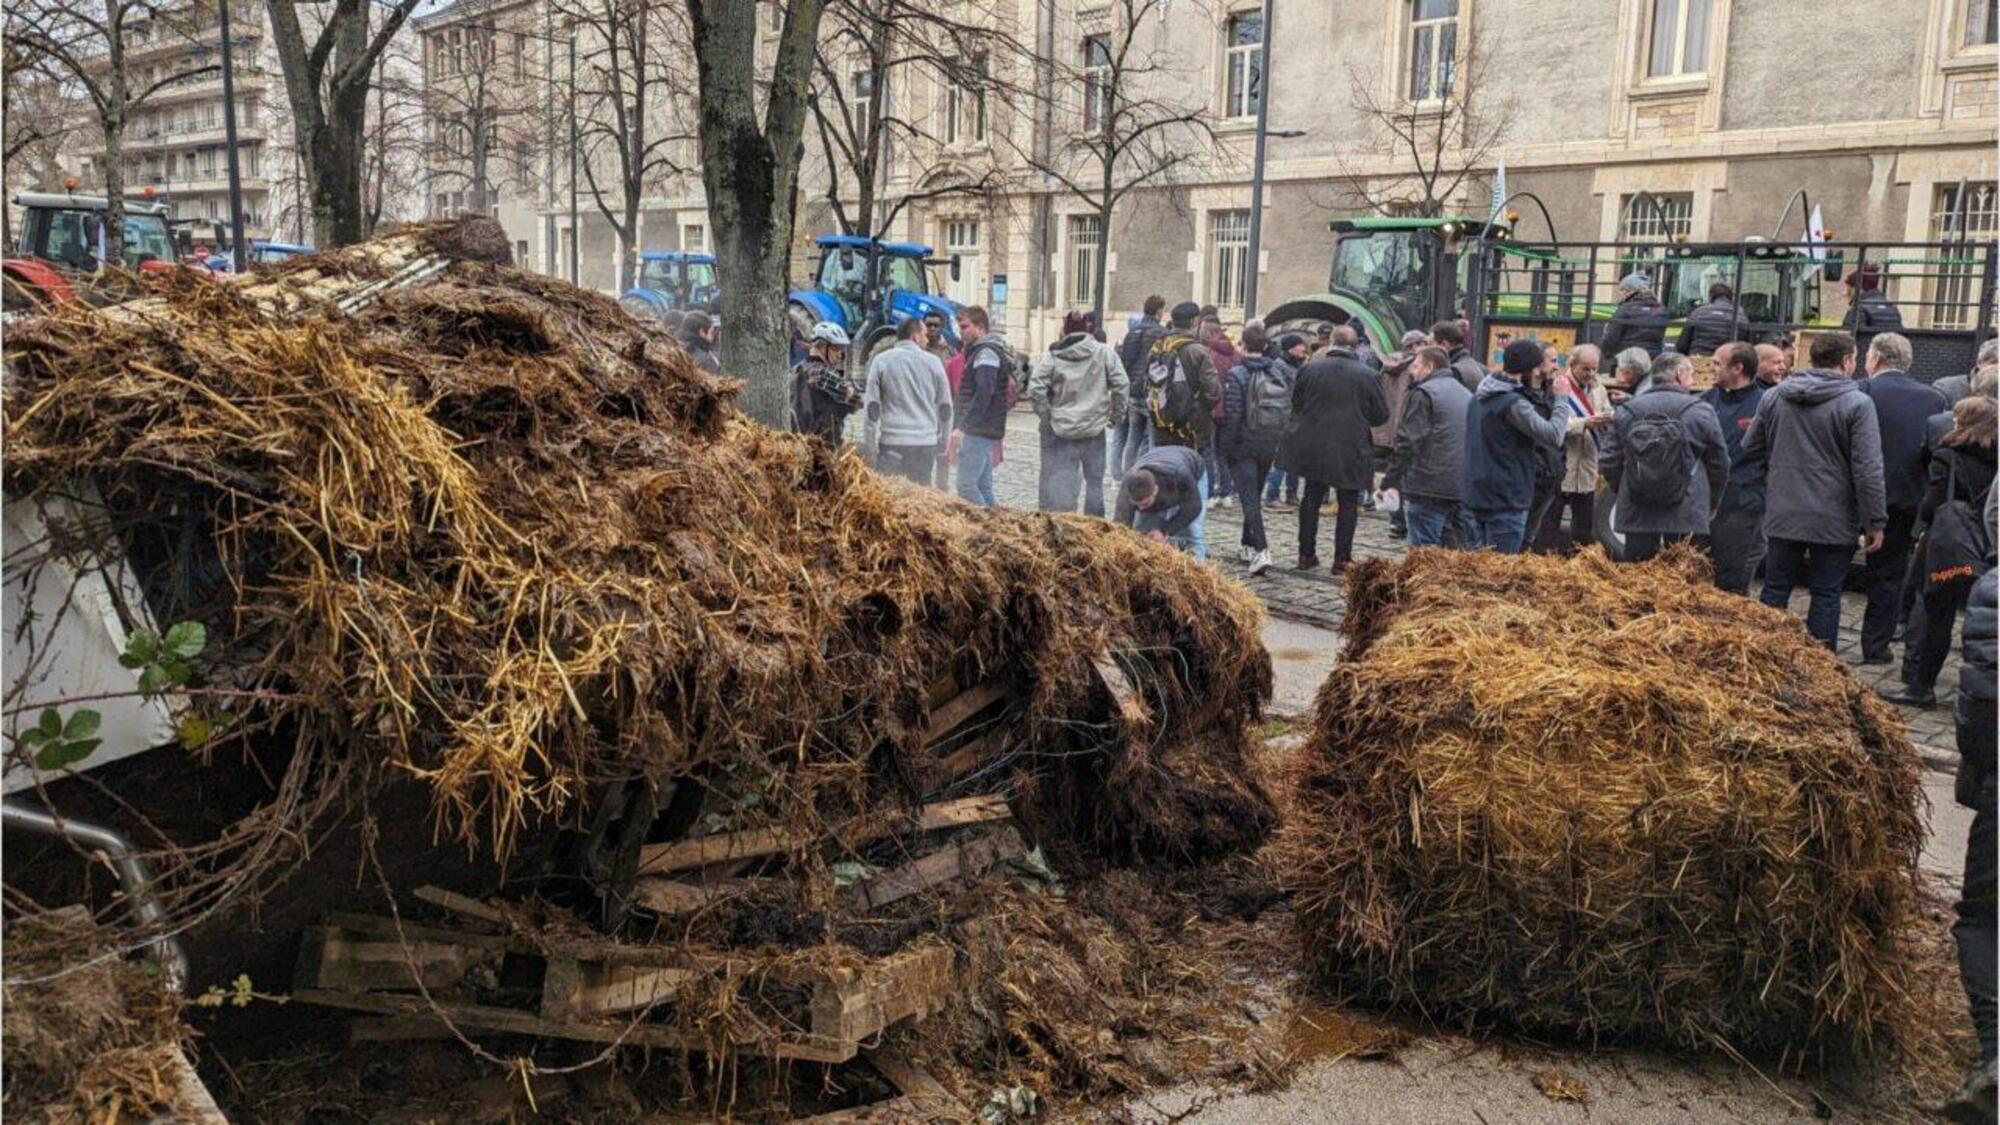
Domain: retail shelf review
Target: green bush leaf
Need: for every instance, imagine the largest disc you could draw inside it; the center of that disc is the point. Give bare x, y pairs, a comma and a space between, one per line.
150, 679
82, 724
57, 755
50, 723
143, 646
187, 639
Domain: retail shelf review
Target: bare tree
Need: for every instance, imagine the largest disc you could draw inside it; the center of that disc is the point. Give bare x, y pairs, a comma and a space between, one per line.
393, 144
327, 83
82, 45
1439, 141
752, 122
636, 91
873, 52
39, 122
1131, 121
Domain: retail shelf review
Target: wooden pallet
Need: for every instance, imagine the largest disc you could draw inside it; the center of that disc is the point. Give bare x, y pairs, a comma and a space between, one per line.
598, 990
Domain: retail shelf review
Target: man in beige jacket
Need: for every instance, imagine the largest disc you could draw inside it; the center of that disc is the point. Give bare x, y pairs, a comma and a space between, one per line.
1582, 395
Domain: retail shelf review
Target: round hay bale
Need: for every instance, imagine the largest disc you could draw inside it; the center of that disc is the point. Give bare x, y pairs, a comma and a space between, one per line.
1604, 801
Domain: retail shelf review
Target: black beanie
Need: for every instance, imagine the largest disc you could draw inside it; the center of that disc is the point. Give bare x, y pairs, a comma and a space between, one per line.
1184, 313
1521, 357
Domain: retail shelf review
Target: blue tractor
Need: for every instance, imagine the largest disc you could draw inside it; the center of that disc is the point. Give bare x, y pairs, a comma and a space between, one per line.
672, 279
868, 287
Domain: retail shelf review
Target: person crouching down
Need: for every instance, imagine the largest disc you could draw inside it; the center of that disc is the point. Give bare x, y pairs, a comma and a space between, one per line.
1161, 495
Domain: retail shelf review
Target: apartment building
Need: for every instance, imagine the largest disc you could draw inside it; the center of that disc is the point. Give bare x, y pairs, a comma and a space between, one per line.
175, 144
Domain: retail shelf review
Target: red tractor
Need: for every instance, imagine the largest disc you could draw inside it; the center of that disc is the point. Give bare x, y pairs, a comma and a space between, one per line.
61, 245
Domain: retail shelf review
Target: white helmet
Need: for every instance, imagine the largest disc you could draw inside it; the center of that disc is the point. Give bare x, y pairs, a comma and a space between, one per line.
827, 332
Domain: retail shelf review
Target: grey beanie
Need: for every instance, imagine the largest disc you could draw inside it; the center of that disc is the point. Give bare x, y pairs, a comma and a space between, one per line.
1636, 282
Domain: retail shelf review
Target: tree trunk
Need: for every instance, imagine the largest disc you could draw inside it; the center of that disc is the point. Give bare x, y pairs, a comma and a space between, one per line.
114, 189
749, 175
335, 170
1103, 256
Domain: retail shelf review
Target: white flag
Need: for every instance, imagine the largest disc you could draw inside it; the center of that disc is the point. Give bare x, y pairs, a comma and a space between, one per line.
1815, 247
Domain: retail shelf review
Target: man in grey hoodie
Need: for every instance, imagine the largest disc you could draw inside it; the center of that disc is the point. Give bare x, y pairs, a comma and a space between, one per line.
1668, 442
1078, 390
1823, 484
907, 406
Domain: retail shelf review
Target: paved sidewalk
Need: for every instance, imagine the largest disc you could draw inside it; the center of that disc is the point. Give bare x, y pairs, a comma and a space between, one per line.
1317, 597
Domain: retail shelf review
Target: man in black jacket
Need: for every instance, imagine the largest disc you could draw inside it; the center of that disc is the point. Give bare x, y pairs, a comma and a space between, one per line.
1640, 320
1977, 932
1903, 408
1870, 310
1335, 400
1131, 436
1714, 324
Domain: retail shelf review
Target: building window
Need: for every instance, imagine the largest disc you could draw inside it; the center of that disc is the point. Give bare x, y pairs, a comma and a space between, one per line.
1433, 49
1672, 220
864, 85
1086, 251
520, 55
1228, 257
961, 236
1965, 216
1245, 39
1678, 39
1096, 82
965, 103
1982, 23
521, 252
694, 238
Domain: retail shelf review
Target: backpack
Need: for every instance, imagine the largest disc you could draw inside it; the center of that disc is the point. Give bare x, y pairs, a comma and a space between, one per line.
1658, 463
1170, 397
1958, 542
1267, 402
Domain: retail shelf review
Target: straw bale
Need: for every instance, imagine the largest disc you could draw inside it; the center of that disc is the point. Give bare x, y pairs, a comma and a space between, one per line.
498, 534
1605, 801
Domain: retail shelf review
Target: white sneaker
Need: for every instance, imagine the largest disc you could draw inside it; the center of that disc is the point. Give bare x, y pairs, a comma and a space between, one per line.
1244, 553
1261, 562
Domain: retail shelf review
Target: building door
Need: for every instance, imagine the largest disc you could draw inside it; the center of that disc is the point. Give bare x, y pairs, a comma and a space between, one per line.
964, 237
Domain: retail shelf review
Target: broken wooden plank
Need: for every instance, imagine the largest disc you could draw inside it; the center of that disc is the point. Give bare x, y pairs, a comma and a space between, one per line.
858, 1003
1130, 705
671, 896
703, 850
948, 718
906, 1076
463, 906
481, 1018
610, 989
334, 958
960, 860
966, 758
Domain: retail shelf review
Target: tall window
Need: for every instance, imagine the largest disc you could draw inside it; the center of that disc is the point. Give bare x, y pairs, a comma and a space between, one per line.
1096, 82
1245, 39
1433, 49
694, 238
1086, 250
965, 103
1678, 40
1672, 219
1968, 218
1982, 23
1228, 257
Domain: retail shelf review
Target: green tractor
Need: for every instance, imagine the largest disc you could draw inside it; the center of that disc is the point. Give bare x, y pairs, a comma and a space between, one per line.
1391, 275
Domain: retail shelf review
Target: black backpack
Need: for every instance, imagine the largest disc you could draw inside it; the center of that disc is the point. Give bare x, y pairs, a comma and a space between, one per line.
1958, 543
1658, 463
1170, 397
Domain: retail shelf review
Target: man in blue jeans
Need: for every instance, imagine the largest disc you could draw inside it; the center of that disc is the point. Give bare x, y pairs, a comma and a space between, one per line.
1823, 481
1426, 461
981, 405
1502, 431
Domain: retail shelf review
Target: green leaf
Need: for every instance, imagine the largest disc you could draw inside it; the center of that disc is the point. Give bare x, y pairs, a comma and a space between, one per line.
50, 723
30, 737
187, 639
151, 679
143, 647
57, 755
127, 660
176, 670
82, 724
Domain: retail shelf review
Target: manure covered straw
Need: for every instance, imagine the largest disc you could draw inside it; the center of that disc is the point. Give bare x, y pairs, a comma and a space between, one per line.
1607, 801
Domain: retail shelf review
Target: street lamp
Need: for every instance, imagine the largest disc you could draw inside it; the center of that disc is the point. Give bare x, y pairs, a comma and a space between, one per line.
1257, 167
238, 252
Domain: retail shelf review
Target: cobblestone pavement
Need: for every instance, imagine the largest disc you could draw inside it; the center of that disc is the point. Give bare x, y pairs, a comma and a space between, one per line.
1316, 597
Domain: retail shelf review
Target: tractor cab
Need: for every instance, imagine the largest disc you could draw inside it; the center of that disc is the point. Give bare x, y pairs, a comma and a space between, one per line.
868, 286
1774, 284
1391, 275
672, 279
62, 238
